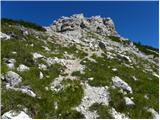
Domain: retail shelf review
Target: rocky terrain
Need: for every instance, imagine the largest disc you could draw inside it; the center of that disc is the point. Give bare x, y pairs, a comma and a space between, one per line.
77, 67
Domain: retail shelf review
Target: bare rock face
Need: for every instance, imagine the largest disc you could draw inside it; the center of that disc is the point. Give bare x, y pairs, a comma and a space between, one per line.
103, 26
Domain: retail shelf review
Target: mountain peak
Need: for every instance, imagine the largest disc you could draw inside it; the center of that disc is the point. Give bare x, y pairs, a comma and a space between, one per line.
103, 26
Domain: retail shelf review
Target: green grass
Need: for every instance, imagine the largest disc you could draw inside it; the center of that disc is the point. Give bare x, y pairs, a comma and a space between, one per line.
116, 39
31, 77
136, 111
117, 100
8, 21
99, 71
76, 73
144, 48
102, 110
69, 97
92, 35
23, 51
43, 105
4, 68
16, 31
103, 76
71, 50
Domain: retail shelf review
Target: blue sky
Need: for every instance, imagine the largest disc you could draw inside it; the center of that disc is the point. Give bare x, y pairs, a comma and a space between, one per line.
137, 21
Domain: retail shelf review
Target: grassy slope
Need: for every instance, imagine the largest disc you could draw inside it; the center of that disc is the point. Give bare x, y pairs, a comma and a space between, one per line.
71, 96
43, 105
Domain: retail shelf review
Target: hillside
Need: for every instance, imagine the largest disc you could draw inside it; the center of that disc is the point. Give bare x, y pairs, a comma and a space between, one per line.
77, 67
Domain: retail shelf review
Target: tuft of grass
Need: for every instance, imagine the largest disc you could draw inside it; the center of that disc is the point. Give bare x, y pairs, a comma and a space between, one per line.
102, 110
92, 35
68, 98
115, 38
116, 100
4, 68
76, 73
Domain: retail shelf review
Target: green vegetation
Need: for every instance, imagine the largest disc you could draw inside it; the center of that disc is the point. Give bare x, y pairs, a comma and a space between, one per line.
4, 68
69, 97
70, 49
135, 111
92, 35
144, 48
102, 110
99, 70
43, 105
23, 51
117, 100
114, 38
17, 32
147, 49
8, 21
31, 77
146, 84
76, 73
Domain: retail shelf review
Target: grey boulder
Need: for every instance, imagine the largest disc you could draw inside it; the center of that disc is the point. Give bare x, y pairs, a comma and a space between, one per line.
12, 78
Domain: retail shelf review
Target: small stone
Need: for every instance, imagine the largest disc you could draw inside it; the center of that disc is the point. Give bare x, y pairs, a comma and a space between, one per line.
134, 78
14, 52
102, 45
114, 69
128, 101
22, 68
37, 55
41, 75
27, 90
12, 78
46, 88
120, 83
10, 63
91, 78
146, 97
55, 105
42, 66
15, 115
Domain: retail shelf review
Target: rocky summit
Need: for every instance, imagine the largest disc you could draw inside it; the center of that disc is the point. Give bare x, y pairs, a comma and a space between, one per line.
78, 67
78, 22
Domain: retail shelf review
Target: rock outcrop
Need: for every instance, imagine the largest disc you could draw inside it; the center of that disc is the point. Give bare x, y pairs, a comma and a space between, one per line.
78, 22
